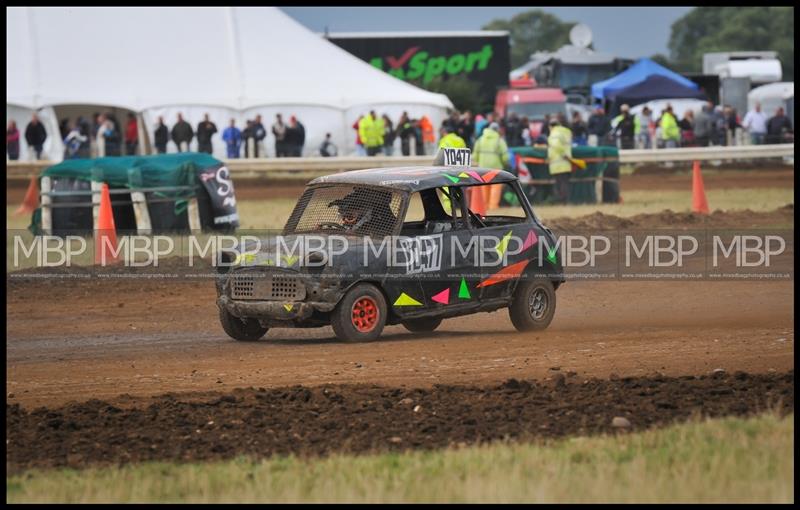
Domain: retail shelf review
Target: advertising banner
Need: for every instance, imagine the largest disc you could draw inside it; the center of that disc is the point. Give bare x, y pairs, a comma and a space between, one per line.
221, 206
482, 57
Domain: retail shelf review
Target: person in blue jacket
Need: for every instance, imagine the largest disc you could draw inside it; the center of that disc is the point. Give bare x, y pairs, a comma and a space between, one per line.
233, 140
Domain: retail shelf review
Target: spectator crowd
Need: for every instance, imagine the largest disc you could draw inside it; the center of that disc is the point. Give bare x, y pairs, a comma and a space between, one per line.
375, 134
719, 125
104, 136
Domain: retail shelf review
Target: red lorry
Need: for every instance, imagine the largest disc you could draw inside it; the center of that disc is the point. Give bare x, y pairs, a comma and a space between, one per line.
531, 102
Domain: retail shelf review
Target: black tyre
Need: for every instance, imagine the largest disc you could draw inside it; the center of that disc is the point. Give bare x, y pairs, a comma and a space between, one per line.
425, 325
360, 315
245, 330
533, 305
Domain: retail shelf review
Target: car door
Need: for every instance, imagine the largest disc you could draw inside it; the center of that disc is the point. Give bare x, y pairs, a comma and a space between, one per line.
507, 238
452, 283
404, 263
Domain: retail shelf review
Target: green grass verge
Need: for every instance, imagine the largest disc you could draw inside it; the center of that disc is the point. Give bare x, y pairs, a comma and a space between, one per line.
724, 460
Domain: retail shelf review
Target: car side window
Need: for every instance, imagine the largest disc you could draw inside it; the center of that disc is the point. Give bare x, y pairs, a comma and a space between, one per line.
451, 199
415, 212
433, 211
502, 203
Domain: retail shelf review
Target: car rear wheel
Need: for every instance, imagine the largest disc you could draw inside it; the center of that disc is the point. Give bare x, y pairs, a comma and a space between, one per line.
533, 305
245, 330
425, 325
360, 315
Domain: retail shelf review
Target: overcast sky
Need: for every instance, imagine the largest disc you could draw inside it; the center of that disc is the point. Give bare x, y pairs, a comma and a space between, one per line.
630, 32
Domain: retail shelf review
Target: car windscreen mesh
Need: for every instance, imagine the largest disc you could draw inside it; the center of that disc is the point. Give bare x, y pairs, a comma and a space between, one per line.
346, 209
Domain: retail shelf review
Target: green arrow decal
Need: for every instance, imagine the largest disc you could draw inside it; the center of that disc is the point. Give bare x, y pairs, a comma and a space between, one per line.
551, 254
463, 291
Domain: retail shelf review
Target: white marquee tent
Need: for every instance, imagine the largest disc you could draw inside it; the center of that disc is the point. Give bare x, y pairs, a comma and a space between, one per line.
229, 62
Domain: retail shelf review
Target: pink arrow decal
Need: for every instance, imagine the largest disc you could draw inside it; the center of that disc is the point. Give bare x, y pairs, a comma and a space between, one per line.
530, 240
443, 297
475, 175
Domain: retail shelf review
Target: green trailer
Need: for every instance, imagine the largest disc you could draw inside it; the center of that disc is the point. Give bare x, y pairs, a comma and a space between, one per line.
149, 194
602, 165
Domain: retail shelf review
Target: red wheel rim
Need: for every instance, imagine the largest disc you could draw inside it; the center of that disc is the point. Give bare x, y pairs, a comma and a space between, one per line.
365, 314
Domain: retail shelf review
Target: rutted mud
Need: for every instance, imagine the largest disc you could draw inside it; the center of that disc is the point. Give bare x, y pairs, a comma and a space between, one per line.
668, 219
366, 418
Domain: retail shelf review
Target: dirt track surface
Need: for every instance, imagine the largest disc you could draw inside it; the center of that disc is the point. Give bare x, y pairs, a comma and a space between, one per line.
100, 338
82, 338
140, 369
369, 418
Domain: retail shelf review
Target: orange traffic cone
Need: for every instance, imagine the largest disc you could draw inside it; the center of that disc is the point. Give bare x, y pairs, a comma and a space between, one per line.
31, 200
495, 194
477, 204
106, 234
699, 202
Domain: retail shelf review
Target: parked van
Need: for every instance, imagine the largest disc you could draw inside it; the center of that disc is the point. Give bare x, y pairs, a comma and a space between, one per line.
533, 103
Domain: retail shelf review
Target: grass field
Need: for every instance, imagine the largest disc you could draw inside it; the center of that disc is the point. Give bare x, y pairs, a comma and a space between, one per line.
273, 213
725, 460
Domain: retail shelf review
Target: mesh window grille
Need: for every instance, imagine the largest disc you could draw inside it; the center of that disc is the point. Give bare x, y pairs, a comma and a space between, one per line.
269, 285
346, 209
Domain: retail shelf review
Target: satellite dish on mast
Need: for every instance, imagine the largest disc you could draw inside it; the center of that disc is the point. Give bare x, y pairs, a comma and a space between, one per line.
580, 36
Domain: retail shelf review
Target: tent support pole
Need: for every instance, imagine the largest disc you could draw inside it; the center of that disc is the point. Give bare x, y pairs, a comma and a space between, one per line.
144, 142
194, 215
143, 225
47, 210
96, 189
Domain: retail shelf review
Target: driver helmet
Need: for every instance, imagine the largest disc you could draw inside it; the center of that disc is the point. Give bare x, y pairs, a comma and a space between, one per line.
359, 206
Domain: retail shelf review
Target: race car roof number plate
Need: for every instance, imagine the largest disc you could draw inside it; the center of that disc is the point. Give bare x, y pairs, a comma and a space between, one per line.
456, 157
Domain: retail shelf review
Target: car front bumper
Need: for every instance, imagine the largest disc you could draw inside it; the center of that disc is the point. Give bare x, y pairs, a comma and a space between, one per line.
272, 310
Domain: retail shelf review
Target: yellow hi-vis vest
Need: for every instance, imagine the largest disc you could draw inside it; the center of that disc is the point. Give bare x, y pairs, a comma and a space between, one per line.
490, 150
371, 131
669, 128
452, 141
559, 150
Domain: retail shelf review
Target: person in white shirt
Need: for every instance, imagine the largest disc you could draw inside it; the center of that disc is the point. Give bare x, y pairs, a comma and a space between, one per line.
755, 122
100, 136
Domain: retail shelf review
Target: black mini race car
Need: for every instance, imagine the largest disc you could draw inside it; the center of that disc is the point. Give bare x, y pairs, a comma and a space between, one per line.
367, 248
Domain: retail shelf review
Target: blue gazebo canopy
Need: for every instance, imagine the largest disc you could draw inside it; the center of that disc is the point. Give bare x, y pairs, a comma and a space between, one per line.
637, 73
655, 87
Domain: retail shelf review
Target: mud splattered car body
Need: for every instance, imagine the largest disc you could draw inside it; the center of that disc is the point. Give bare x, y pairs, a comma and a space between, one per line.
394, 246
